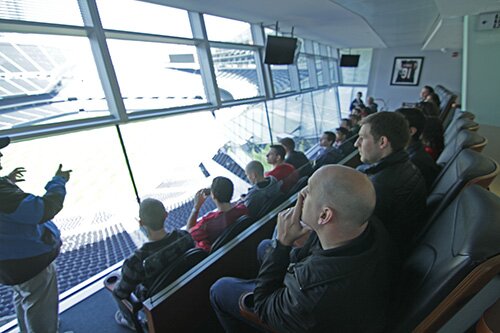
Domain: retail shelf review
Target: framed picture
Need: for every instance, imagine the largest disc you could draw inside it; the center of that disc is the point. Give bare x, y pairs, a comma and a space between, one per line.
406, 71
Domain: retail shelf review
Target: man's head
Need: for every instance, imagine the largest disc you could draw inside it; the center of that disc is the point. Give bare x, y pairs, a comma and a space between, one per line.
341, 134
255, 172
382, 134
354, 119
222, 189
4, 142
288, 143
359, 95
337, 198
152, 214
416, 121
276, 155
346, 123
426, 90
327, 139
370, 100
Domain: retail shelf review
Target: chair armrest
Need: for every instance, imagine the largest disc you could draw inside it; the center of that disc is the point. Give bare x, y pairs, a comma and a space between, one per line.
111, 280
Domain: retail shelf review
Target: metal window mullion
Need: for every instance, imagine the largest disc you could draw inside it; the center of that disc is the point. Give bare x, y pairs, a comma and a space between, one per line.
102, 59
293, 72
205, 58
326, 71
264, 73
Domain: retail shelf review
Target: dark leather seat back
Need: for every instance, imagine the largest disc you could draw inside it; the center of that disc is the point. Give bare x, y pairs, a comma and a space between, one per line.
275, 202
458, 114
299, 185
463, 139
468, 167
180, 266
457, 257
447, 99
232, 231
457, 126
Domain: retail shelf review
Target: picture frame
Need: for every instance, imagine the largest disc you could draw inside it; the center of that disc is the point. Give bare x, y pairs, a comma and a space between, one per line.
406, 71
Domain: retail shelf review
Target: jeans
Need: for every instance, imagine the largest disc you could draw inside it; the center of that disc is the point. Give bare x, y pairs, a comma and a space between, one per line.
37, 302
224, 297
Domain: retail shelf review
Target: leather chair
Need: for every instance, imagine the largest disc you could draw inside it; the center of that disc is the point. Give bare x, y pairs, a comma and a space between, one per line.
456, 258
447, 99
299, 185
469, 167
463, 139
180, 266
490, 320
231, 232
457, 126
458, 114
280, 197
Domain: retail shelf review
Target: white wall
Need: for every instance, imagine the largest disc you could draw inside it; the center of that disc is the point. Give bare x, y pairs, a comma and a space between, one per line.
482, 73
438, 68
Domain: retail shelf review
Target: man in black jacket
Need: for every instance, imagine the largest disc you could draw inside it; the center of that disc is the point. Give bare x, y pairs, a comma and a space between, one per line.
296, 158
338, 281
400, 187
418, 156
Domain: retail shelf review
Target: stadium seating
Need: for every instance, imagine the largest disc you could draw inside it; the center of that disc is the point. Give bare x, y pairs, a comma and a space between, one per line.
457, 257
447, 99
457, 126
231, 231
180, 266
469, 167
463, 139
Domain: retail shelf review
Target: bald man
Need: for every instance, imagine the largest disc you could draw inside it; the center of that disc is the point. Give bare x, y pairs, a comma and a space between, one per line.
338, 281
264, 189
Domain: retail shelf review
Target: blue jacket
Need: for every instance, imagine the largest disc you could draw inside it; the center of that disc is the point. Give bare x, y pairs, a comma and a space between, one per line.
27, 234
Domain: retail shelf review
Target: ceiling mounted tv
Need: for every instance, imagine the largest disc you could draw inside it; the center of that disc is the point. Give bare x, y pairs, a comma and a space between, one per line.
349, 60
280, 50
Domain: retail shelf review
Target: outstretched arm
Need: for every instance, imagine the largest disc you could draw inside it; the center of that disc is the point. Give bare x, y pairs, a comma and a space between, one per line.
54, 197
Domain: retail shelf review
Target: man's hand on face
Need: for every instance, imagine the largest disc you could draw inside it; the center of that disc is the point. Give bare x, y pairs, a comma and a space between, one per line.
289, 226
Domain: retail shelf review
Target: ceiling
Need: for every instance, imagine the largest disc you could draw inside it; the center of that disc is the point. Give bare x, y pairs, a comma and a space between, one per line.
429, 24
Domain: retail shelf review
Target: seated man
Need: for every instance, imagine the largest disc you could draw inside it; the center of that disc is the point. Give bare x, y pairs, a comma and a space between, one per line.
328, 154
210, 226
341, 142
338, 281
418, 156
296, 158
264, 189
282, 170
400, 187
134, 278
371, 106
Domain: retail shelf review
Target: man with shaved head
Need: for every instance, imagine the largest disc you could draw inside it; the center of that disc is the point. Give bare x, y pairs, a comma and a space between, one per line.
264, 189
338, 281
165, 246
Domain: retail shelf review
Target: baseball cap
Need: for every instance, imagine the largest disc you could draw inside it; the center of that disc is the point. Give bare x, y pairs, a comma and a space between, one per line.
4, 141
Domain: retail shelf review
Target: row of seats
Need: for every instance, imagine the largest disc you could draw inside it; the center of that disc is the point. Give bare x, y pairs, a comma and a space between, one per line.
458, 251
192, 257
460, 236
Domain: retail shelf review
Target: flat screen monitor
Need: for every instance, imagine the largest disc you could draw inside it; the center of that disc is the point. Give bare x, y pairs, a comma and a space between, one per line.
349, 60
280, 50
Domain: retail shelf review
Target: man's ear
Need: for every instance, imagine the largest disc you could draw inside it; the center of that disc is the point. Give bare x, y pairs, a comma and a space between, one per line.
383, 142
326, 216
